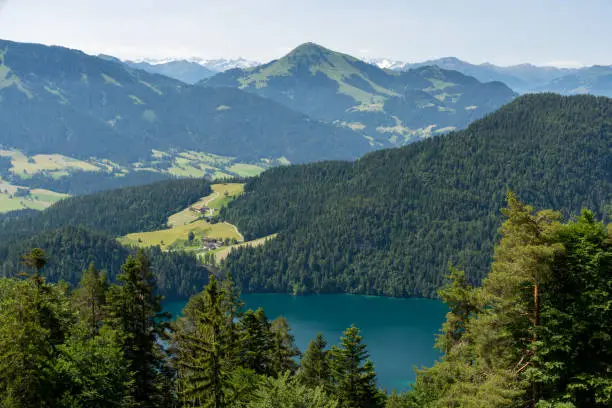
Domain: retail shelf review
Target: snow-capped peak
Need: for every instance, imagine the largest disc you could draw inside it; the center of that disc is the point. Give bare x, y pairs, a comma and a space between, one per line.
220, 65
385, 63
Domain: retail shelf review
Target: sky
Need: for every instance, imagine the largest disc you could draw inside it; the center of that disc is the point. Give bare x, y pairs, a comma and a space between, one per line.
504, 32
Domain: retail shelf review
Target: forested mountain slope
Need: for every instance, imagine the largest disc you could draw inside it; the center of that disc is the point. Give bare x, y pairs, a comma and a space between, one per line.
391, 222
391, 108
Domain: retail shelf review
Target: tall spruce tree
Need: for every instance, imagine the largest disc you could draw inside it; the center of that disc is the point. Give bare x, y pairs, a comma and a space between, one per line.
256, 342
284, 349
353, 373
135, 310
205, 348
315, 369
91, 297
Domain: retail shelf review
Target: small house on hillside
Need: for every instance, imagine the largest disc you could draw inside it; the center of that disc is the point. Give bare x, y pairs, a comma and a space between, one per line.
211, 243
201, 209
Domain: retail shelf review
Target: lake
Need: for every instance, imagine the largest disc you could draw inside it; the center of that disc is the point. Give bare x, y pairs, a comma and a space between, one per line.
400, 333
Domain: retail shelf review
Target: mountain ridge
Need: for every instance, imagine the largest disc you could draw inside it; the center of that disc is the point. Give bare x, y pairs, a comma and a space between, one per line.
61, 101
392, 108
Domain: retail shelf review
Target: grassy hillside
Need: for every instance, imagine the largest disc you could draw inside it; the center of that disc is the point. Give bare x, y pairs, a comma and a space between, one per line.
391, 222
389, 108
191, 221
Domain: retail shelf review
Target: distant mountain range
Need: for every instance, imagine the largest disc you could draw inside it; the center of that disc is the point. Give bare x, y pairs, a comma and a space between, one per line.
524, 78
190, 71
390, 108
66, 112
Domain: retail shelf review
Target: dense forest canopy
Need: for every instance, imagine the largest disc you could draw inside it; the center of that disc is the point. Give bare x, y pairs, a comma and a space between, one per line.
390, 222
536, 334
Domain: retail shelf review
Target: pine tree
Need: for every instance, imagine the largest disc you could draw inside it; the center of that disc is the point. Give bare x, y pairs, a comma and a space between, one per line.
522, 265
256, 342
463, 301
204, 349
135, 310
283, 349
353, 373
315, 369
91, 297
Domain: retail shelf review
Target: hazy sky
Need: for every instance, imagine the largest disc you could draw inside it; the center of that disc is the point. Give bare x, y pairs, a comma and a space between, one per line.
557, 32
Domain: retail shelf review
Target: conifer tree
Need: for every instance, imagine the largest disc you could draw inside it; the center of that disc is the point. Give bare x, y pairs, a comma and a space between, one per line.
353, 373
315, 369
91, 297
204, 349
462, 299
283, 349
256, 342
135, 310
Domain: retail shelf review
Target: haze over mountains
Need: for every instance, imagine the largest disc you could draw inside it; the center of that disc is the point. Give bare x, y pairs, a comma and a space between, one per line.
522, 78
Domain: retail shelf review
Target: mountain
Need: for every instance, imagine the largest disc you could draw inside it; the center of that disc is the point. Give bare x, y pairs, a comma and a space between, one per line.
190, 70
216, 65
391, 108
386, 63
225, 64
390, 223
57, 101
522, 78
387, 224
185, 71
596, 80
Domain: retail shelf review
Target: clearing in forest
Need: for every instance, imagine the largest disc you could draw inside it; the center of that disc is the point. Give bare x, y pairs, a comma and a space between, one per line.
221, 196
222, 253
190, 229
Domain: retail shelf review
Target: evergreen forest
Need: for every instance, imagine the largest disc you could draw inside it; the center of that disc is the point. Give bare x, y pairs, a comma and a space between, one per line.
389, 223
536, 333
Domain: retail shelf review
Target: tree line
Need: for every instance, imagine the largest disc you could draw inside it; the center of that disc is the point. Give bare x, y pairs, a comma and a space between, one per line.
535, 334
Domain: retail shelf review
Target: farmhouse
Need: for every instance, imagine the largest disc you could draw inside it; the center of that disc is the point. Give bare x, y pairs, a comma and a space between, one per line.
211, 243
201, 209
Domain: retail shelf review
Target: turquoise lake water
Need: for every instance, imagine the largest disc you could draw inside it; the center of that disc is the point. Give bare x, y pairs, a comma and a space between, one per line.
399, 333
